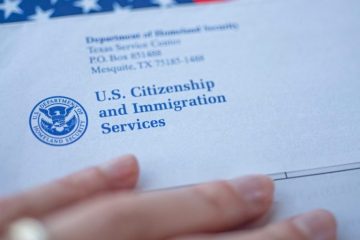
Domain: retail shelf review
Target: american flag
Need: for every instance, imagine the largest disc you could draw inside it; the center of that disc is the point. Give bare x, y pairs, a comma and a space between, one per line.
31, 10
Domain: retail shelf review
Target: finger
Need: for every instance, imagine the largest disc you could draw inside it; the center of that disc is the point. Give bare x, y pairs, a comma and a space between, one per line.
160, 215
121, 173
316, 225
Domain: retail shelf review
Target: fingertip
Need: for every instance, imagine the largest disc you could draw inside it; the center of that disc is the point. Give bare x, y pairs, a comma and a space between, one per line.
255, 194
267, 182
122, 171
258, 189
327, 215
317, 224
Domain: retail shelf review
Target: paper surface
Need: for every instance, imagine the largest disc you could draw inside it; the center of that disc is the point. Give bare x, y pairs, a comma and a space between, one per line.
335, 188
218, 91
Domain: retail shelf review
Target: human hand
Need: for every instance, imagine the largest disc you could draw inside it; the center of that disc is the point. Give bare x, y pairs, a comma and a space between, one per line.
100, 204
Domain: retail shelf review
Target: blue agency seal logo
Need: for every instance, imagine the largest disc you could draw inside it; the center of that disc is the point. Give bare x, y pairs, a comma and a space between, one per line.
58, 121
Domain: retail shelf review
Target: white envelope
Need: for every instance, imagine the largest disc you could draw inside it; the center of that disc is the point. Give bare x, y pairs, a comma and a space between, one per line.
196, 92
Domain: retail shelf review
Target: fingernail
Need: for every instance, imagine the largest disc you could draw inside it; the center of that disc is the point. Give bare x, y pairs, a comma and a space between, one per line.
255, 190
317, 225
120, 168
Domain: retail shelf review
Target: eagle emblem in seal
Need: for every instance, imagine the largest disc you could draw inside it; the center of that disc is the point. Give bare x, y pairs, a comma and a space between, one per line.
58, 120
